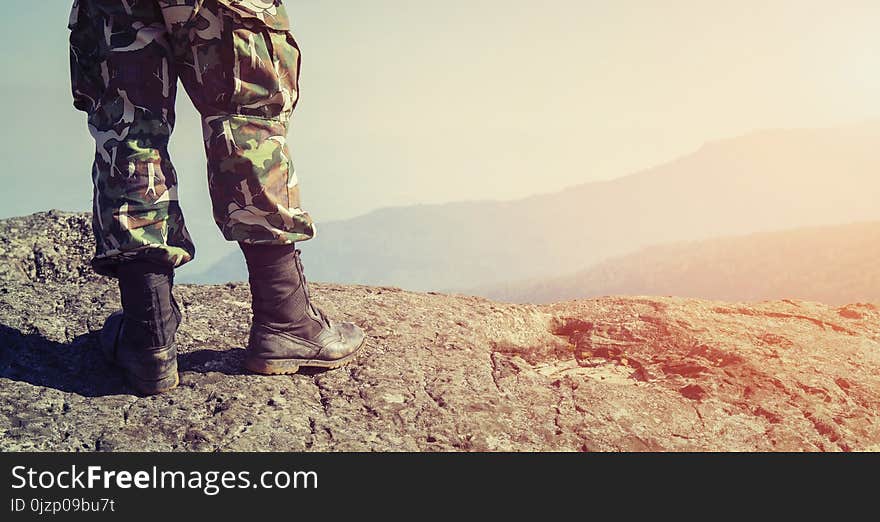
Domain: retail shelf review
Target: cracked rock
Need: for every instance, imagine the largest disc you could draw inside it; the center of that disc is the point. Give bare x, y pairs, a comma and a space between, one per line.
439, 372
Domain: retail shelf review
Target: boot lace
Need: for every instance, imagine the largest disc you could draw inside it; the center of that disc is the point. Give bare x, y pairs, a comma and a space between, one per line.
315, 310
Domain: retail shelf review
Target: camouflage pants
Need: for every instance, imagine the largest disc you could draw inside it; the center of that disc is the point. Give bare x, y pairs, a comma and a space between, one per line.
240, 66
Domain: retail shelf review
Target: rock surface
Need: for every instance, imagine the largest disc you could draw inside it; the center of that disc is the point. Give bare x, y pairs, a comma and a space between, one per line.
440, 372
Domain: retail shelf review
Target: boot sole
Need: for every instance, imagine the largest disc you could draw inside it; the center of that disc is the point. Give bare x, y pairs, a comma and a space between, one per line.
292, 365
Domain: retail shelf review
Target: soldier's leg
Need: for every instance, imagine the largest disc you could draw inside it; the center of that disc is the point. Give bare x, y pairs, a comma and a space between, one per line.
123, 77
240, 65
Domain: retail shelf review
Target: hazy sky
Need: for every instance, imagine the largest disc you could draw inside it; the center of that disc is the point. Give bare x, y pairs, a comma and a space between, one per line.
411, 101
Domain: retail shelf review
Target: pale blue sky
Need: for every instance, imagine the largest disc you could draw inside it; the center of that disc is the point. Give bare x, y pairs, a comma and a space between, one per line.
410, 101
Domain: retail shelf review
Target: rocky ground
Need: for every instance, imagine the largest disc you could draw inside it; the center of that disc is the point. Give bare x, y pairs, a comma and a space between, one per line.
439, 373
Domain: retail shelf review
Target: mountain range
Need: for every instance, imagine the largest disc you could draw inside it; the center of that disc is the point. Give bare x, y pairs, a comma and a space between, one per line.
832, 264
764, 181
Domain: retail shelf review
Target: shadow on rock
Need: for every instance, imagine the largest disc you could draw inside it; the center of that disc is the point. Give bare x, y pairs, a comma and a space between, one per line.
228, 362
75, 367
79, 367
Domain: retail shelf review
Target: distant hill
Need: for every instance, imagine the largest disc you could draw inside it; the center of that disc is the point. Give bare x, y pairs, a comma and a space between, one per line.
834, 264
764, 181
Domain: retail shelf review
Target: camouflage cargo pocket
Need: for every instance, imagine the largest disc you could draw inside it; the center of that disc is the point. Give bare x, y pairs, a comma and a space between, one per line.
265, 60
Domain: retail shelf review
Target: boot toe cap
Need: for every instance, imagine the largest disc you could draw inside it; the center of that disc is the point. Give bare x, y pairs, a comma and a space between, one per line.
350, 338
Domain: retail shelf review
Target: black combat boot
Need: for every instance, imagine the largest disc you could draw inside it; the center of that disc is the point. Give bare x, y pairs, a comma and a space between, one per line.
140, 337
288, 331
